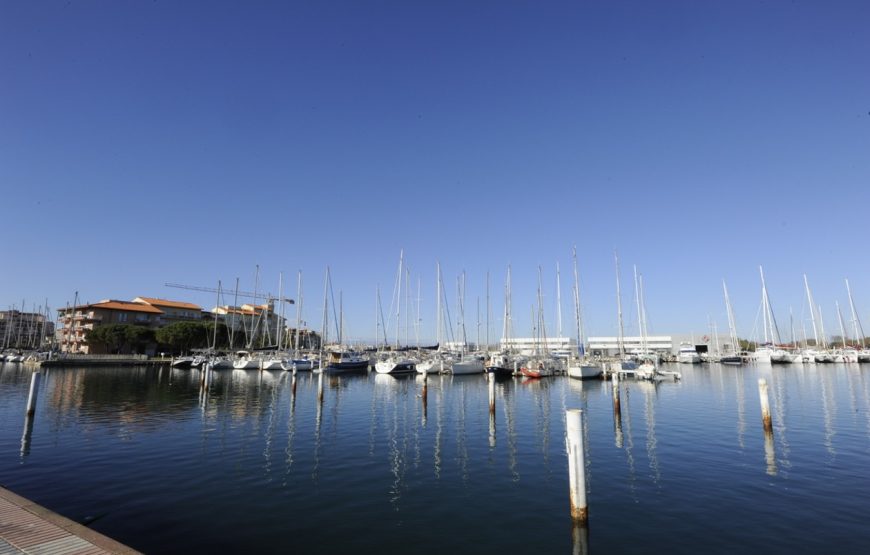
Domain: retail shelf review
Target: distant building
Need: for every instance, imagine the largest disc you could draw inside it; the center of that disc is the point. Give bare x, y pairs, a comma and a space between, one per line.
78, 321
252, 325
24, 330
556, 346
609, 346
173, 311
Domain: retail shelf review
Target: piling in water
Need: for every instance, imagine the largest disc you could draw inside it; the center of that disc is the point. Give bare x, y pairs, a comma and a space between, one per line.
617, 409
424, 393
580, 538
765, 405
491, 378
320, 387
576, 464
34, 390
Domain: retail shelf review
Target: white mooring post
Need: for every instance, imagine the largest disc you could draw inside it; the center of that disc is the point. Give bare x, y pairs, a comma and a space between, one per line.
320, 387
425, 391
765, 405
576, 464
34, 390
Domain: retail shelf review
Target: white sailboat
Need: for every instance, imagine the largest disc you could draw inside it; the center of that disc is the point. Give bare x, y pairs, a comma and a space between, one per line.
580, 367
465, 362
734, 356
845, 353
625, 362
768, 352
397, 362
863, 353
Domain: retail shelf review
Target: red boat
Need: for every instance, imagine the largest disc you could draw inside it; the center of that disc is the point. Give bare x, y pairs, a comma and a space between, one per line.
536, 370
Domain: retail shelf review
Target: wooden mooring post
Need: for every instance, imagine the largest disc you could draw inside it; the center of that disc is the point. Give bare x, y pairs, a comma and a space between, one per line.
576, 464
490, 376
617, 409
765, 405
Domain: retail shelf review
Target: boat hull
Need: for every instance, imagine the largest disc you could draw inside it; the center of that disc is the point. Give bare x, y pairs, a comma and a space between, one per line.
584, 372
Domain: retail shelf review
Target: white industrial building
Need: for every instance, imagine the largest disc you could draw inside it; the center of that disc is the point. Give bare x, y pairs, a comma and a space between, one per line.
556, 346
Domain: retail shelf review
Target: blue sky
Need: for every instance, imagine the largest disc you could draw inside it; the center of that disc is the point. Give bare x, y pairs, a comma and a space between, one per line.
152, 142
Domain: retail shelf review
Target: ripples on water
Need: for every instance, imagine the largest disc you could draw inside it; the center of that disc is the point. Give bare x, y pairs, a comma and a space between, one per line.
259, 465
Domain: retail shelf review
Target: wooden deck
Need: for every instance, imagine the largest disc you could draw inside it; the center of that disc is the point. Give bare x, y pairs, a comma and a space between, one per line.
26, 527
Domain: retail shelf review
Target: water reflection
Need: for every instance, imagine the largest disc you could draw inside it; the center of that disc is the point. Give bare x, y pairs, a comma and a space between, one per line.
26, 436
769, 453
779, 411
829, 409
650, 390
460, 448
580, 539
741, 407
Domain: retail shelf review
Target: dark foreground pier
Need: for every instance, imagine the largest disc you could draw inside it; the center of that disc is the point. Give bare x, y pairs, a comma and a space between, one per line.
26, 527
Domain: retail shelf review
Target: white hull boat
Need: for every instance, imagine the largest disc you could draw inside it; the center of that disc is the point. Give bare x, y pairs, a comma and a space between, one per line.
583, 371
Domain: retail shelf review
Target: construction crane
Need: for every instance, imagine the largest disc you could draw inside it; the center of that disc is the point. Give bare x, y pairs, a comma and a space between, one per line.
268, 297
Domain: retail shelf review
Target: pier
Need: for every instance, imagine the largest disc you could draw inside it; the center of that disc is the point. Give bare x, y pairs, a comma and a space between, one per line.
26, 527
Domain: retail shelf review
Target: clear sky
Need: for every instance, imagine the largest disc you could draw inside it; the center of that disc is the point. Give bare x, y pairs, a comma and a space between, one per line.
152, 142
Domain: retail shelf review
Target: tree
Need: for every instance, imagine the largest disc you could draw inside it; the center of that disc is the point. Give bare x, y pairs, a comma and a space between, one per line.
118, 338
184, 336
138, 337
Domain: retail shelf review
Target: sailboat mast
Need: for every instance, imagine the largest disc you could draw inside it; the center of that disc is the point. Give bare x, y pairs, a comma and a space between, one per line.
578, 319
324, 330
842, 327
487, 311
621, 338
438, 316
399, 294
419, 317
298, 309
639, 311
765, 310
558, 302
217, 304
856, 323
279, 336
732, 326
822, 327
508, 323
812, 309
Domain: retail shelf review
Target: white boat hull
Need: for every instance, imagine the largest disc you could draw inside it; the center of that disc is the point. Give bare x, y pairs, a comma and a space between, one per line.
468, 367
584, 372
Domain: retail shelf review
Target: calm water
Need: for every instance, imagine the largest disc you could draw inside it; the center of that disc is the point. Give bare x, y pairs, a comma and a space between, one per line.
254, 467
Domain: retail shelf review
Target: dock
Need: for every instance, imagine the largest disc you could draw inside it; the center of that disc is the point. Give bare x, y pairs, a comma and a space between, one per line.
26, 527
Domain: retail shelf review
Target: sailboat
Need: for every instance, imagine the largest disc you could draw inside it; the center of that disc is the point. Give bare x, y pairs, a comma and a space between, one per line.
863, 353
337, 359
846, 353
397, 362
465, 362
733, 357
580, 367
648, 368
541, 364
506, 362
768, 352
648, 363
626, 363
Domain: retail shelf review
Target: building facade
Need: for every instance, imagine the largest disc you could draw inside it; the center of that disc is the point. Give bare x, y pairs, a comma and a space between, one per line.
173, 311
24, 330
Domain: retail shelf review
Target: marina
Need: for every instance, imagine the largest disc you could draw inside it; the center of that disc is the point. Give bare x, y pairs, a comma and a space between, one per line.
306, 461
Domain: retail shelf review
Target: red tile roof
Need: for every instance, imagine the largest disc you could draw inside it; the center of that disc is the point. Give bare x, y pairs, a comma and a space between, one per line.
169, 304
118, 305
